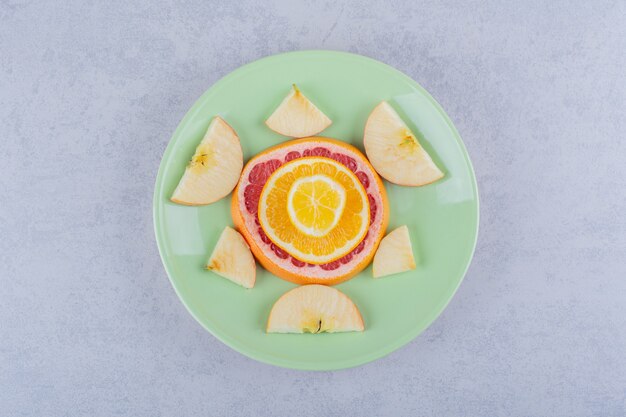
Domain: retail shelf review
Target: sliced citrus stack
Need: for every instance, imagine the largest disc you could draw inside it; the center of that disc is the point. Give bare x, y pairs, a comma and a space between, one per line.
326, 214
313, 210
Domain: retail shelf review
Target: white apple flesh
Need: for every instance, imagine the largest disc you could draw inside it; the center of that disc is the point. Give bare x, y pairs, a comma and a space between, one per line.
297, 116
394, 254
395, 152
314, 309
214, 168
232, 259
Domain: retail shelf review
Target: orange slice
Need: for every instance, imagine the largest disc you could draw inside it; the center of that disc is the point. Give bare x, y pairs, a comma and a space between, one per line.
245, 207
314, 208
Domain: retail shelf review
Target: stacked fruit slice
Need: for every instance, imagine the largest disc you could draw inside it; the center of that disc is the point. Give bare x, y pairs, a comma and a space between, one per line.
312, 210
327, 211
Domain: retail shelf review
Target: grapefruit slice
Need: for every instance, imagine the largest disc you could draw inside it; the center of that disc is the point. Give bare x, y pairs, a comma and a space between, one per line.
394, 150
314, 309
214, 168
395, 254
277, 259
232, 259
327, 210
297, 116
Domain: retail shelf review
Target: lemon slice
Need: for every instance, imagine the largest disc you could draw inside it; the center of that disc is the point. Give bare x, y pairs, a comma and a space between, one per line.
315, 209
315, 204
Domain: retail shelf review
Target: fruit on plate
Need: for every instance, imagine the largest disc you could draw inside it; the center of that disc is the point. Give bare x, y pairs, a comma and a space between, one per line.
297, 116
326, 214
304, 214
232, 259
214, 169
394, 254
314, 309
395, 151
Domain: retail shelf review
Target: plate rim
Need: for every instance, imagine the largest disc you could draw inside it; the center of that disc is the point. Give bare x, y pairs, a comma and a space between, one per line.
274, 360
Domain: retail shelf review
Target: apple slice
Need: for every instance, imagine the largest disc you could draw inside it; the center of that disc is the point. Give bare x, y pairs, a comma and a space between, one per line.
297, 116
232, 259
314, 309
395, 152
214, 168
394, 254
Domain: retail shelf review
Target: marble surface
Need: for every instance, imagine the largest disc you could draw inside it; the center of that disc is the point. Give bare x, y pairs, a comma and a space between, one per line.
90, 93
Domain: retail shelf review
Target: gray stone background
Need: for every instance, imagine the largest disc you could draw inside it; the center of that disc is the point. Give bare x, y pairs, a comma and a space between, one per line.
90, 93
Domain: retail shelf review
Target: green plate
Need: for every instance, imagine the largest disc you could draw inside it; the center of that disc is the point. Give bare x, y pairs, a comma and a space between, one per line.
442, 217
